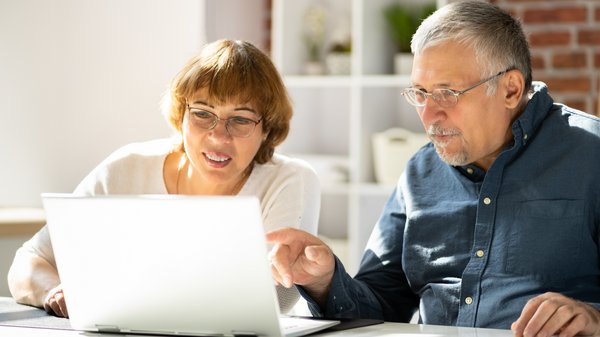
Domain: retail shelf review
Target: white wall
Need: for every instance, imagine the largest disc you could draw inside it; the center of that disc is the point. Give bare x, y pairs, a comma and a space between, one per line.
79, 78
237, 19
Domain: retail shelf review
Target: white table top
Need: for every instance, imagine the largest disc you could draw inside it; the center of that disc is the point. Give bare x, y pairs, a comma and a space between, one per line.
11, 311
380, 330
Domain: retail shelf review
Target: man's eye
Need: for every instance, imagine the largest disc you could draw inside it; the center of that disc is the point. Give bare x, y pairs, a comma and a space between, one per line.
447, 94
241, 120
201, 114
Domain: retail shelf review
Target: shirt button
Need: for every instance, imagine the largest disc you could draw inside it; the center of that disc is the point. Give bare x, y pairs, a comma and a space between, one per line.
469, 170
525, 136
487, 200
479, 253
468, 300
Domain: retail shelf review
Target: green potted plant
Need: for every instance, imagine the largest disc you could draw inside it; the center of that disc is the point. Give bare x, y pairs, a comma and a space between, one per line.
403, 23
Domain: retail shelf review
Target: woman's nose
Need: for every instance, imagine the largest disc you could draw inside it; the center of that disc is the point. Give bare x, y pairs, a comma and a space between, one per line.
220, 129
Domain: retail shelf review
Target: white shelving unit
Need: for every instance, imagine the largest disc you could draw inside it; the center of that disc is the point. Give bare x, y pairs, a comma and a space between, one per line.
336, 116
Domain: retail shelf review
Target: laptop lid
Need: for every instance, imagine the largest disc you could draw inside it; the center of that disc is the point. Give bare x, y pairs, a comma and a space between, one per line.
163, 264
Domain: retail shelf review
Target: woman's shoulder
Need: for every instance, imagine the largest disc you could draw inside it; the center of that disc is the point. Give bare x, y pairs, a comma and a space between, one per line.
282, 170
284, 163
146, 149
133, 168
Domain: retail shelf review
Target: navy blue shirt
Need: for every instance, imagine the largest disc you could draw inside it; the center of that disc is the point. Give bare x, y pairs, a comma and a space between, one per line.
467, 247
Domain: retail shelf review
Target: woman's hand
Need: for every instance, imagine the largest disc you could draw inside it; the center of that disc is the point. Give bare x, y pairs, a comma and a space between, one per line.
55, 302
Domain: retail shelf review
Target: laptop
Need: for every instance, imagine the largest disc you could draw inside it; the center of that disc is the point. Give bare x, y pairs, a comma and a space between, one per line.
161, 264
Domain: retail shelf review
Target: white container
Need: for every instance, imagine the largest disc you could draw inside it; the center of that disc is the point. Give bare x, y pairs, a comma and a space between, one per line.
338, 63
403, 63
392, 148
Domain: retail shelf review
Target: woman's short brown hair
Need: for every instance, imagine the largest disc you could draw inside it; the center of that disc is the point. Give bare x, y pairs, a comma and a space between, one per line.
234, 71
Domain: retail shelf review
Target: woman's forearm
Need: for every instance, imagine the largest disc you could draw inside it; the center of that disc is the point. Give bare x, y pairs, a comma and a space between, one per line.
30, 277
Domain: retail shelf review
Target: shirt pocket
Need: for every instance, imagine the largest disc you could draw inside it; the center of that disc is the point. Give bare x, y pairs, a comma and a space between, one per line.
545, 239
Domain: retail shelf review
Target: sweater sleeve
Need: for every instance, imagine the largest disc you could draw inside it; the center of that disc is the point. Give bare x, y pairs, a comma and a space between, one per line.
289, 193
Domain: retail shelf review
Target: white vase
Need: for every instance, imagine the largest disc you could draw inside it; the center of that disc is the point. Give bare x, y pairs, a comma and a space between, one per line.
403, 63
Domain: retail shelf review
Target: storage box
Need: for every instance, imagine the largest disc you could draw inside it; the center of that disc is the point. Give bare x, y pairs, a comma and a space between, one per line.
392, 148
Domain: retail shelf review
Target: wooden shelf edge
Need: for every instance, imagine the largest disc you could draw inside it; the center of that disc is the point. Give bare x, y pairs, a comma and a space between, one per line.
20, 221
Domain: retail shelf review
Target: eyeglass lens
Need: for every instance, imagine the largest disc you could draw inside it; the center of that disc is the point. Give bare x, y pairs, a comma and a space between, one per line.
236, 126
443, 97
446, 98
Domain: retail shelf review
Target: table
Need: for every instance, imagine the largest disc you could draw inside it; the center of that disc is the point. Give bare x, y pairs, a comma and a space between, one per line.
20, 320
20, 220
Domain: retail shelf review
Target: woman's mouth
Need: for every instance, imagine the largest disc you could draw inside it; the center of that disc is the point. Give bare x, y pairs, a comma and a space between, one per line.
216, 159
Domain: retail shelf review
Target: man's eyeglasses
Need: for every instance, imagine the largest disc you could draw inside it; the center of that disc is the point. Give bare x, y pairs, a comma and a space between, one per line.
446, 98
237, 126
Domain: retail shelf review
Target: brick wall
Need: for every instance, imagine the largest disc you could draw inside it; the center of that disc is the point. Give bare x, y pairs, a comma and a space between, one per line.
564, 37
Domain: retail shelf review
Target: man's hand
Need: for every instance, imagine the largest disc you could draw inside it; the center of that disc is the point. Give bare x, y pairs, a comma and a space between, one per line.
555, 314
298, 257
55, 302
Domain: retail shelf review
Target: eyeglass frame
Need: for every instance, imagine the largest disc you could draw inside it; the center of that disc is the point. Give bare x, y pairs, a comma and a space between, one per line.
456, 93
227, 121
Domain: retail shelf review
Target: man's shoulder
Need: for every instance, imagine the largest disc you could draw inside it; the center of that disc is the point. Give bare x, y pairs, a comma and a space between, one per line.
570, 122
426, 155
578, 117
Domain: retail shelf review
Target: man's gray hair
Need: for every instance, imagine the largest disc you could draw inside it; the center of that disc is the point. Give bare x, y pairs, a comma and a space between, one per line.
497, 38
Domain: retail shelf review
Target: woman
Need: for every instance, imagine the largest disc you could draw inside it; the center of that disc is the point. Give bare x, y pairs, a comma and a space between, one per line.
230, 110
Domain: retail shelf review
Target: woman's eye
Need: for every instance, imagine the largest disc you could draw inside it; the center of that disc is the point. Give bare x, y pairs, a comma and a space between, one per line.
241, 120
202, 114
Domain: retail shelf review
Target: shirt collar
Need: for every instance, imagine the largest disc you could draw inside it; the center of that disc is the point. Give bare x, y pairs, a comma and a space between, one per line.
535, 112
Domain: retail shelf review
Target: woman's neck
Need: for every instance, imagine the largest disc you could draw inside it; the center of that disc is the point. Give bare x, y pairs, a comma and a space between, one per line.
188, 182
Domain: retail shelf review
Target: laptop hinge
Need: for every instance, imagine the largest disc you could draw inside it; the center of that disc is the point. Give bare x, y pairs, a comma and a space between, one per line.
107, 328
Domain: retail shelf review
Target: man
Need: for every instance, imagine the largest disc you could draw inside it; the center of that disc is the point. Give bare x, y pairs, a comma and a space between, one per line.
496, 222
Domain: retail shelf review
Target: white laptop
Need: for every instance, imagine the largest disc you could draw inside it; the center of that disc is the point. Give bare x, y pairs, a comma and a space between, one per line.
167, 265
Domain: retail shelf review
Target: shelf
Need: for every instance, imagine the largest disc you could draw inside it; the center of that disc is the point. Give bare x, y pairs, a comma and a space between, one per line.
393, 81
365, 189
400, 81
318, 81
377, 190
335, 189
335, 117
21, 221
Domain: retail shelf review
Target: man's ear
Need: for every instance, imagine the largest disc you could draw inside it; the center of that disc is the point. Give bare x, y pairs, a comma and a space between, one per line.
513, 84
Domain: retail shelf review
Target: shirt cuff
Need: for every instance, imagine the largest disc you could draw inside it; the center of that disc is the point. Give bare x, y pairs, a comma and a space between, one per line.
339, 303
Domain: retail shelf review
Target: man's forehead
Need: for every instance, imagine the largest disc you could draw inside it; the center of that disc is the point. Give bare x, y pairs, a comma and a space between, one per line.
444, 64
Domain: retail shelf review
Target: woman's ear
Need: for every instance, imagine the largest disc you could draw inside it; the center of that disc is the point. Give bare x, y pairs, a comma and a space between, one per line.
514, 85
